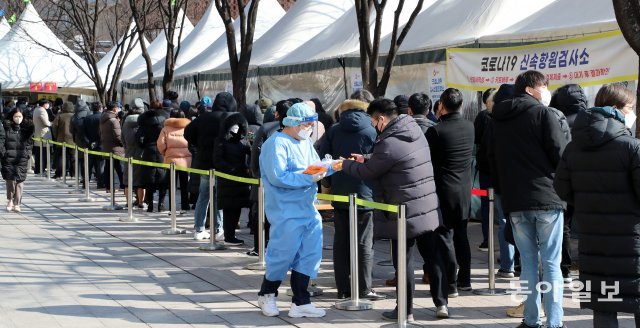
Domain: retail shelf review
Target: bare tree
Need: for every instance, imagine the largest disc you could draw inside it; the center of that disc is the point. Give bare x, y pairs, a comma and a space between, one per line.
239, 62
140, 11
628, 17
370, 44
83, 24
170, 19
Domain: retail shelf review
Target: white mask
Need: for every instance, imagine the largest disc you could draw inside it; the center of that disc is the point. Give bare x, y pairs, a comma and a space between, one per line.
235, 128
17, 120
304, 134
629, 120
545, 94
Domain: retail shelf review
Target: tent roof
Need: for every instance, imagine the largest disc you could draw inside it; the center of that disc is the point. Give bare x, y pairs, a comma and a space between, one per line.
108, 59
302, 22
205, 33
22, 60
4, 27
342, 37
456, 22
560, 20
269, 13
157, 49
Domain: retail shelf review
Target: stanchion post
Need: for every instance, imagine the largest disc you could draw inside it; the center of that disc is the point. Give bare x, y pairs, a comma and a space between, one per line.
64, 163
402, 269
76, 165
261, 264
87, 175
41, 159
48, 160
492, 278
130, 217
213, 244
354, 304
172, 195
113, 206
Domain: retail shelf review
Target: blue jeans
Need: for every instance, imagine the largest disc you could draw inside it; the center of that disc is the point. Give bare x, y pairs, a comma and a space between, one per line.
507, 251
540, 232
201, 207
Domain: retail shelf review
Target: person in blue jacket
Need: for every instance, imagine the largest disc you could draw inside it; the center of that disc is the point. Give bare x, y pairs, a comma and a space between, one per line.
296, 227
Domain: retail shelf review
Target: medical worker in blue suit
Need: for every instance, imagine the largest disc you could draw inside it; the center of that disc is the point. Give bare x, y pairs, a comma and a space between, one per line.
296, 227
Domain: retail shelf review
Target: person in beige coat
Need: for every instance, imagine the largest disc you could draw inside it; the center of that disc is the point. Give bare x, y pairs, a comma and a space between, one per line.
61, 128
175, 149
42, 126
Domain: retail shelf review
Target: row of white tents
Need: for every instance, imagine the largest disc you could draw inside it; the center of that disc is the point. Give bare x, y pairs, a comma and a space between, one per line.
313, 49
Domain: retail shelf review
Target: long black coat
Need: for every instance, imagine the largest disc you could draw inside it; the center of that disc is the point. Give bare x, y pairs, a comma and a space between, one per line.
202, 133
401, 169
451, 144
17, 150
600, 175
231, 156
77, 124
150, 124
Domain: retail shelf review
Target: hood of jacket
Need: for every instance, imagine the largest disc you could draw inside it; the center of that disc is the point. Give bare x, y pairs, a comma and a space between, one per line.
107, 116
353, 120
352, 104
82, 106
178, 123
68, 108
569, 99
253, 114
130, 121
225, 102
231, 120
403, 127
509, 109
595, 127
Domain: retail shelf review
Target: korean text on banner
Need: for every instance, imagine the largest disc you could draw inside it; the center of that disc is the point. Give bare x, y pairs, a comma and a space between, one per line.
435, 81
589, 60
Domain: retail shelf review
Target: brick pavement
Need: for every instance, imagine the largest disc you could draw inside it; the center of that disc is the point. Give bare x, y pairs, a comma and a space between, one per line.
65, 263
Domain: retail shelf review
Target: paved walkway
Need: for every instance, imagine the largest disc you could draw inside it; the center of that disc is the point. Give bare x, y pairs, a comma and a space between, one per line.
64, 263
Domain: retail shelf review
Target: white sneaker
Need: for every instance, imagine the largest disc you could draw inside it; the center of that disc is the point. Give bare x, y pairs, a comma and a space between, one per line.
201, 235
268, 305
220, 236
9, 205
307, 310
16, 208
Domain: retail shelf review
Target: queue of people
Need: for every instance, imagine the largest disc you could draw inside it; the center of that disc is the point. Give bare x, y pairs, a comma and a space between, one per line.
550, 158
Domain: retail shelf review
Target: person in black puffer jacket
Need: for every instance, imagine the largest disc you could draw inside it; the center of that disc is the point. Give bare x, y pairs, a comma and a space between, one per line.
400, 166
599, 174
353, 134
91, 132
570, 100
150, 124
15, 152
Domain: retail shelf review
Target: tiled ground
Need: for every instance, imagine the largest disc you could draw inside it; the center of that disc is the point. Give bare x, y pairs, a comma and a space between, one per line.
71, 264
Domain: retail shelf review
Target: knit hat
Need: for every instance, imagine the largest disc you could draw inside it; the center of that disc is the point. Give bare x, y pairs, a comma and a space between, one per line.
264, 103
167, 103
137, 103
299, 113
206, 102
185, 105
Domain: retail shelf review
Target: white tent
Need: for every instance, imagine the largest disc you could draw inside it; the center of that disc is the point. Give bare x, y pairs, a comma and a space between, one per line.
157, 49
106, 65
209, 28
560, 20
343, 37
4, 27
450, 23
302, 22
216, 53
31, 52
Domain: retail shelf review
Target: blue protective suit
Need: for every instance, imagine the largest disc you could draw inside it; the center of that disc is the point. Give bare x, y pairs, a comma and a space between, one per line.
295, 239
